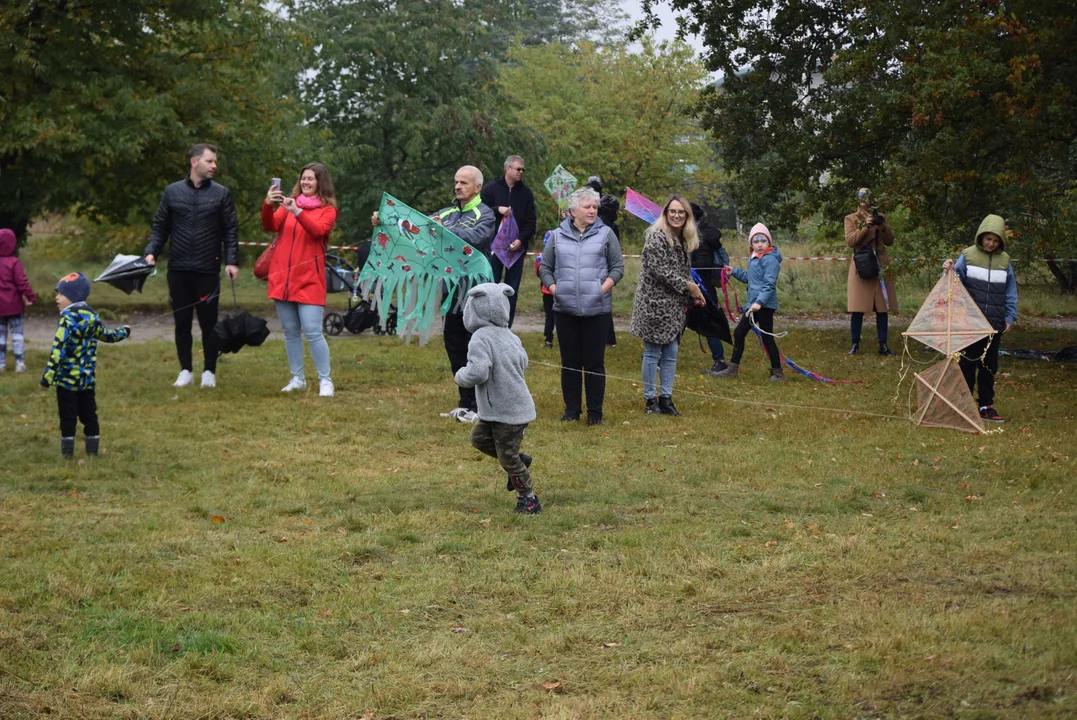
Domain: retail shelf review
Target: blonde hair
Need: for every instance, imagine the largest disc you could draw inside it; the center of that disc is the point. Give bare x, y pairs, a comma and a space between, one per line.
688, 236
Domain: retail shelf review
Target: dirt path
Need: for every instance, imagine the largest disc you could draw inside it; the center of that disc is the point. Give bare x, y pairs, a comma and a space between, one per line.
39, 329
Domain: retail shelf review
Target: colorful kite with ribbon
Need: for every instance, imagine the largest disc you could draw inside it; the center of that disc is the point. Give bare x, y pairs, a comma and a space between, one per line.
560, 185
759, 333
414, 263
641, 207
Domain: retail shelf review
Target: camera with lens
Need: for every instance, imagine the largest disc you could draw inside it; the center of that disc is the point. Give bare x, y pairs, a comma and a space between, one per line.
877, 218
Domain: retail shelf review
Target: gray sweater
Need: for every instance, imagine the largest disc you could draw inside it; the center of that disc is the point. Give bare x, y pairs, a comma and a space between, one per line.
496, 359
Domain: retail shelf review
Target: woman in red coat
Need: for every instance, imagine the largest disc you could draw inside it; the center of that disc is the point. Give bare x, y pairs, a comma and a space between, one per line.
297, 272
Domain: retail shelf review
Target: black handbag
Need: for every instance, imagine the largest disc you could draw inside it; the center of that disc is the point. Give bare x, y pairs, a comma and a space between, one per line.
866, 261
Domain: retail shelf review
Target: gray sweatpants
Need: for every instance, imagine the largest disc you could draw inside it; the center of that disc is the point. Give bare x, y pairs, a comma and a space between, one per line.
502, 441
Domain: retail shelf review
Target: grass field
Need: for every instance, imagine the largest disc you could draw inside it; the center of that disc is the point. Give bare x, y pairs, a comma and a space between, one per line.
237, 553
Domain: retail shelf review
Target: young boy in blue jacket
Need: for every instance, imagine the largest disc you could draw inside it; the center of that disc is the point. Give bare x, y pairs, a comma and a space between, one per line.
762, 279
72, 366
986, 272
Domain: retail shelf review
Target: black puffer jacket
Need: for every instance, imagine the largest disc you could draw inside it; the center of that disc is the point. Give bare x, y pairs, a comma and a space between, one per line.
199, 220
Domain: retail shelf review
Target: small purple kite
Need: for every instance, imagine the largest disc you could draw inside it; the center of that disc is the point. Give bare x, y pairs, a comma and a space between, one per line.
508, 232
641, 207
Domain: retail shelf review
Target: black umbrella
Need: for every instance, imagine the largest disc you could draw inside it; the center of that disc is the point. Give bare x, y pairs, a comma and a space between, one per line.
709, 321
239, 328
127, 273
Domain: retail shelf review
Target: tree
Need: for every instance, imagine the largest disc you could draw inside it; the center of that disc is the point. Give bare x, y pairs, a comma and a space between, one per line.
99, 102
953, 109
626, 116
406, 90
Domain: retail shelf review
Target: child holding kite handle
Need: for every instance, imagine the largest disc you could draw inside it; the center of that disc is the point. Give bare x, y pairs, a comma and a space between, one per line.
496, 361
72, 365
762, 280
986, 272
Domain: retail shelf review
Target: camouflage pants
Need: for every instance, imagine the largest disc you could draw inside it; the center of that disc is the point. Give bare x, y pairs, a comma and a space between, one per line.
502, 441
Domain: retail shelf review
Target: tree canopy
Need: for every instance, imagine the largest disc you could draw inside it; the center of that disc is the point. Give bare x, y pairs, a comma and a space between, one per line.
99, 101
953, 109
628, 117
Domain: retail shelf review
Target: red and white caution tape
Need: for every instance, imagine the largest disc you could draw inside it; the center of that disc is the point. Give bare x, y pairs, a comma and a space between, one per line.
731, 257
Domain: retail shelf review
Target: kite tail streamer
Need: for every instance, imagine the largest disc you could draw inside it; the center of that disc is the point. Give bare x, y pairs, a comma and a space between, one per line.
418, 267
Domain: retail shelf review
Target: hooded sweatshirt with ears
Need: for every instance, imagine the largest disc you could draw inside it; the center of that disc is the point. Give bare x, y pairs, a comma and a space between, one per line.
989, 277
496, 359
762, 273
13, 282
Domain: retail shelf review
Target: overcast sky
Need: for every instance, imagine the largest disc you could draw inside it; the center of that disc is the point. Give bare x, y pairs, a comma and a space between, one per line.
668, 30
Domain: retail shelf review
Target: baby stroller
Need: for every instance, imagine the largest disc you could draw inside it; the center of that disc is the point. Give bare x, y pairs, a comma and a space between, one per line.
340, 276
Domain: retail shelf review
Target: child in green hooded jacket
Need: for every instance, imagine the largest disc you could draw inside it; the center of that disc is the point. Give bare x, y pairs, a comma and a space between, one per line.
986, 272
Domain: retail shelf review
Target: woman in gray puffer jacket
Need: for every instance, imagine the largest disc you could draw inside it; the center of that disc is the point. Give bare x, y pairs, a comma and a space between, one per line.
580, 265
665, 287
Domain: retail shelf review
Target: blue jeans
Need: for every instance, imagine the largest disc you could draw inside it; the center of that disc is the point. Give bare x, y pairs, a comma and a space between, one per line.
717, 351
513, 275
659, 356
301, 321
12, 324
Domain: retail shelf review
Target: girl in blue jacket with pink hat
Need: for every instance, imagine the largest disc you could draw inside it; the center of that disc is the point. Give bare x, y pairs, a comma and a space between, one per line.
762, 278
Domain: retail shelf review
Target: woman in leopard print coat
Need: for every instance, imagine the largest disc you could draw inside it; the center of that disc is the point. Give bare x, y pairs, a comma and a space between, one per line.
665, 286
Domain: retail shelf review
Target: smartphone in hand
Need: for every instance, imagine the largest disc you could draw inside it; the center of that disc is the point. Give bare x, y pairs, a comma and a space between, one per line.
275, 182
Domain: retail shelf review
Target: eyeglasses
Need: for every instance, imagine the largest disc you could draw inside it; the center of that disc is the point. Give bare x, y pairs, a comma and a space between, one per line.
677, 213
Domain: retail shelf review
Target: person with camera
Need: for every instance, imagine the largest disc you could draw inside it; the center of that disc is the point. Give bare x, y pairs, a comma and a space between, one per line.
302, 220
870, 289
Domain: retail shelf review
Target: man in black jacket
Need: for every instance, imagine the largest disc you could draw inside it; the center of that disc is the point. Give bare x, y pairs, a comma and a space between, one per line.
708, 260
200, 217
506, 195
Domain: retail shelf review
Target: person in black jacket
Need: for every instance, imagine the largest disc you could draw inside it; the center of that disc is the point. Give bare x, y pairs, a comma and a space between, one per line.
708, 260
509, 194
200, 217
608, 209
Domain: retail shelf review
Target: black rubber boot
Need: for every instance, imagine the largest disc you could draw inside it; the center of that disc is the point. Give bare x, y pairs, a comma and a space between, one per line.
717, 367
67, 447
651, 406
665, 406
92, 444
884, 349
855, 349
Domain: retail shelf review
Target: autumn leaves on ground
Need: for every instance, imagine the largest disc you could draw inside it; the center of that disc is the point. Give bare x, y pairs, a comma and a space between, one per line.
241, 553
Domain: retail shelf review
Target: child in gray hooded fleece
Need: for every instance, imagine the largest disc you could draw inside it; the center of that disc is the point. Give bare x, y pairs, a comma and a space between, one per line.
496, 361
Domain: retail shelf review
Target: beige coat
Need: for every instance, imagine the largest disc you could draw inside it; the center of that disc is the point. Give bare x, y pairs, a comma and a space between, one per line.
866, 295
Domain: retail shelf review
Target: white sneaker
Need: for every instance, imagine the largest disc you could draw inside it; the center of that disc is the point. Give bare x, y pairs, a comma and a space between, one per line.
296, 383
453, 413
209, 379
185, 378
463, 415
325, 388
20, 367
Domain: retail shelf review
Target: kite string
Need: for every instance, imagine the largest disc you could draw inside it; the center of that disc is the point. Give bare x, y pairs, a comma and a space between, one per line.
712, 396
154, 318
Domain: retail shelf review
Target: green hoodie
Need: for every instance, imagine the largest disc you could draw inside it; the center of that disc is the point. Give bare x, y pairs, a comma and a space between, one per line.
988, 276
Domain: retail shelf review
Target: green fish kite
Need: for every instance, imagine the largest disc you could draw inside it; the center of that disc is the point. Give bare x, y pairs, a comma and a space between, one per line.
415, 266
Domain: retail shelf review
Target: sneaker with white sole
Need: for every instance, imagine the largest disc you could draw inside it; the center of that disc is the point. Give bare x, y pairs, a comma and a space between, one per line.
296, 383
467, 416
209, 379
325, 388
20, 366
453, 413
186, 377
